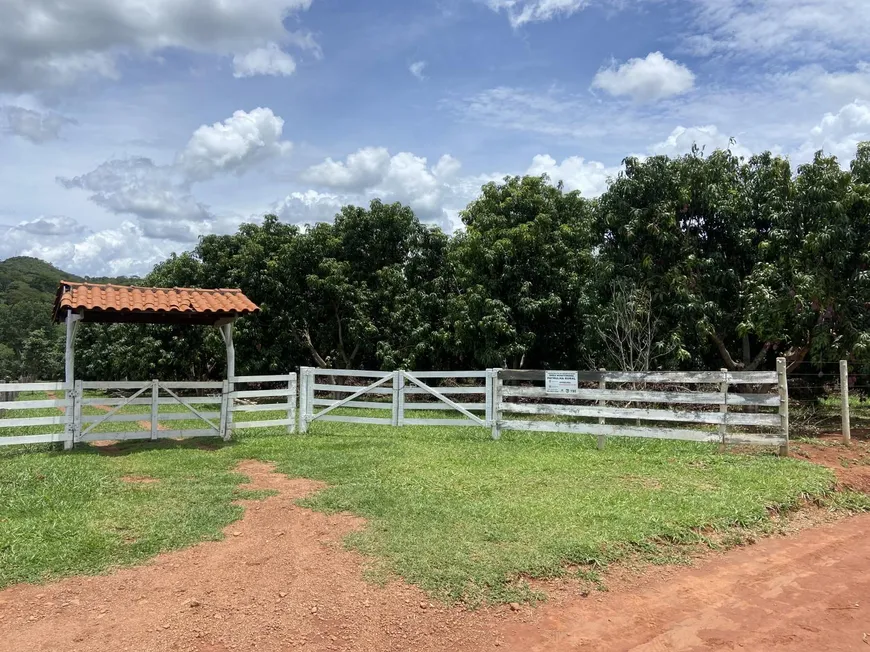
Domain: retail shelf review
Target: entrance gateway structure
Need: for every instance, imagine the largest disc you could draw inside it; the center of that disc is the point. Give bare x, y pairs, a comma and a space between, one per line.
118, 304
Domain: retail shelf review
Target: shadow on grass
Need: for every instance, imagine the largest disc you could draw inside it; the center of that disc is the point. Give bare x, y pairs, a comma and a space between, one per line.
120, 448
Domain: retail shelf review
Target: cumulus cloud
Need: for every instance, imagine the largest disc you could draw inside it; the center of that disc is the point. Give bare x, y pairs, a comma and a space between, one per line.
309, 207
45, 43
139, 187
708, 137
270, 60
645, 80
36, 126
53, 225
520, 12
404, 177
839, 133
122, 250
417, 69
575, 172
234, 145
362, 169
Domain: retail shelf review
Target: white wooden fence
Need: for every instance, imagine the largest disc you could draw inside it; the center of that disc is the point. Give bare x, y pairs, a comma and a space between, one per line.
150, 410
720, 407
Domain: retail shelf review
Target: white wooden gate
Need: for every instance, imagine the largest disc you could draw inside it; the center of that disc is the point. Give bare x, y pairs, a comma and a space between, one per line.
396, 394
421, 383
188, 416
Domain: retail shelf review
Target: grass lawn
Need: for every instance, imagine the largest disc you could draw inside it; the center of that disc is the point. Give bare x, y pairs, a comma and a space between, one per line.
462, 516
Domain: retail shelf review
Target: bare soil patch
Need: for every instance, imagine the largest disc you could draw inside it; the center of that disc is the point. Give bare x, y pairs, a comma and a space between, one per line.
282, 580
851, 463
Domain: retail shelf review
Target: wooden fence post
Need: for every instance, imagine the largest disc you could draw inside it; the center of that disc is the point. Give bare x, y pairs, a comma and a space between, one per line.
77, 411
487, 397
395, 396
495, 399
155, 409
304, 381
227, 405
400, 400
291, 403
723, 409
782, 382
602, 384
844, 401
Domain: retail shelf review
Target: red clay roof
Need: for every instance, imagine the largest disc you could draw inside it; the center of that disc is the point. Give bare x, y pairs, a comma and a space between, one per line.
152, 301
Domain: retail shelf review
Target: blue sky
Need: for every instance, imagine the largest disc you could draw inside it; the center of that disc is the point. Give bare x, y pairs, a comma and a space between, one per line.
128, 129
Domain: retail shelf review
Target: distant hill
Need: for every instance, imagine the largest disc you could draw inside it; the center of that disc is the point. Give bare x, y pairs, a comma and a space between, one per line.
23, 278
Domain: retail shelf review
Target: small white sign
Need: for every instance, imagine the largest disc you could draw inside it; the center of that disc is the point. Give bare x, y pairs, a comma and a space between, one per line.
561, 382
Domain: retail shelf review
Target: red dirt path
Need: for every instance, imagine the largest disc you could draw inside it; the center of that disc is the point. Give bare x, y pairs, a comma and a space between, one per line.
282, 581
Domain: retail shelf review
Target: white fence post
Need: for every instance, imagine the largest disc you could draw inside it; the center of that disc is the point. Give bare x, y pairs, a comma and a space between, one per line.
304, 407
155, 408
77, 411
723, 409
400, 400
602, 384
291, 403
395, 397
782, 382
495, 398
226, 410
69, 426
844, 401
487, 400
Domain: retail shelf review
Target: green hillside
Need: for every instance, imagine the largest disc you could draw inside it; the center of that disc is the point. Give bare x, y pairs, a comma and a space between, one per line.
30, 279
31, 346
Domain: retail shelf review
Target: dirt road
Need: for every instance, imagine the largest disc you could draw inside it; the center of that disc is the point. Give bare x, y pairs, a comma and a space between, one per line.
282, 581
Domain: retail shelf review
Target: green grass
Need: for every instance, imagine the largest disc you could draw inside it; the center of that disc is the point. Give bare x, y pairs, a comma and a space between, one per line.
463, 517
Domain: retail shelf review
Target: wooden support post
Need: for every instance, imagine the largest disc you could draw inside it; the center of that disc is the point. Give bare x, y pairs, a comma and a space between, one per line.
155, 408
782, 382
723, 409
291, 404
495, 397
844, 401
602, 384
304, 407
400, 400
227, 334
227, 404
72, 320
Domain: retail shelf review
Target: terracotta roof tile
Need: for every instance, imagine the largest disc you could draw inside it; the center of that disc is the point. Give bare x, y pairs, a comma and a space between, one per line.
128, 299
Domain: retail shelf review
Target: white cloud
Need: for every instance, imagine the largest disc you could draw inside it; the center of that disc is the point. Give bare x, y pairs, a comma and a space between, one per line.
270, 60
234, 145
520, 12
576, 173
802, 29
53, 225
308, 207
36, 126
45, 42
362, 169
839, 133
645, 80
707, 137
417, 69
405, 177
139, 187
122, 250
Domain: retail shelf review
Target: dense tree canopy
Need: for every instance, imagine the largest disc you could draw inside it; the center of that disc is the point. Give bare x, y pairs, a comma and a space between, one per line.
695, 262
